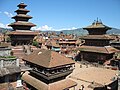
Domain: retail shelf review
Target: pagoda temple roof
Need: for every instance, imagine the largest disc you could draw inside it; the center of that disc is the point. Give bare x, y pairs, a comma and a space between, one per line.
97, 25
107, 37
105, 49
22, 4
48, 59
39, 85
23, 32
21, 9
19, 23
52, 43
22, 15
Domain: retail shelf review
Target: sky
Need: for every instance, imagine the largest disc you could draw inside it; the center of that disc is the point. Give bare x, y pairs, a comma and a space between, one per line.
63, 14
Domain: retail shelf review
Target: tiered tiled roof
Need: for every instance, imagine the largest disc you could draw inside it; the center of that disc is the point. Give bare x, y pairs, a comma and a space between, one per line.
105, 49
98, 37
22, 5
23, 33
21, 9
21, 23
59, 85
48, 59
22, 15
97, 28
21, 18
21, 27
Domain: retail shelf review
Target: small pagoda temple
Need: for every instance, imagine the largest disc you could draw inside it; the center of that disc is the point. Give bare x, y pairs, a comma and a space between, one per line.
49, 71
21, 34
96, 47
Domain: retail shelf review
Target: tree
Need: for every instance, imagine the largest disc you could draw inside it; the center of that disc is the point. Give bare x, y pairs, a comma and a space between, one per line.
35, 43
8, 39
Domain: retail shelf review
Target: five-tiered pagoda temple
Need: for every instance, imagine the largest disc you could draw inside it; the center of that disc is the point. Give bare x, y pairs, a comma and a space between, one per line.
21, 34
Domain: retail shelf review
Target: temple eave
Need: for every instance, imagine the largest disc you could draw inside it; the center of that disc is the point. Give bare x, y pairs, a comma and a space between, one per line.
22, 10
23, 33
96, 37
92, 28
105, 49
21, 4
22, 16
14, 24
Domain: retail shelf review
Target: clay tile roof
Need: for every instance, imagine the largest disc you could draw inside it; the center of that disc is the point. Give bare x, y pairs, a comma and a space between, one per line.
23, 33
54, 44
48, 58
105, 49
21, 9
21, 23
39, 85
97, 37
78, 42
22, 15
59, 85
22, 4
48, 43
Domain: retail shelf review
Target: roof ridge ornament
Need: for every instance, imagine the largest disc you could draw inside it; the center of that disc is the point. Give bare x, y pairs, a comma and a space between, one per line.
100, 20
97, 20
94, 22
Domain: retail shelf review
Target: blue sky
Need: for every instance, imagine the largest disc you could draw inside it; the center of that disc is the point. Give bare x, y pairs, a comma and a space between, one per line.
63, 14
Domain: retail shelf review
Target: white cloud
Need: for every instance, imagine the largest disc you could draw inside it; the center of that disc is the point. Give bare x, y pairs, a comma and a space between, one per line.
8, 14
46, 27
4, 25
73, 28
67, 29
8, 26
43, 28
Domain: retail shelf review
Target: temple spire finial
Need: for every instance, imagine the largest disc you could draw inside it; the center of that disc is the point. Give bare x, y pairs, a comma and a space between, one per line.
94, 22
97, 19
100, 20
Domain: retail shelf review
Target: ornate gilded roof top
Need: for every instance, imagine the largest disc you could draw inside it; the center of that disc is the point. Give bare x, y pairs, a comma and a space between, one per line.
97, 24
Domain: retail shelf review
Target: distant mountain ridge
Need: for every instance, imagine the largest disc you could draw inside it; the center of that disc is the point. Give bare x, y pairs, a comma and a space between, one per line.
114, 31
81, 32
78, 32
4, 29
